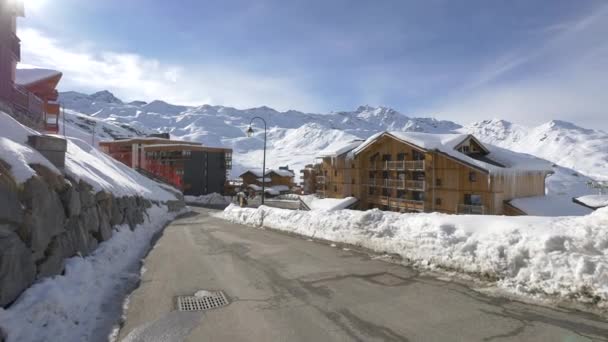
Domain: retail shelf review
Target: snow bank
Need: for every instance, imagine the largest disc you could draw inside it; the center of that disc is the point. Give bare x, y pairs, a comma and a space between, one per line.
565, 257
86, 303
82, 162
327, 204
210, 199
594, 201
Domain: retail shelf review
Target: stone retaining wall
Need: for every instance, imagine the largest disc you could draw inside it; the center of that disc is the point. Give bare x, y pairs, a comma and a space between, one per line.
51, 218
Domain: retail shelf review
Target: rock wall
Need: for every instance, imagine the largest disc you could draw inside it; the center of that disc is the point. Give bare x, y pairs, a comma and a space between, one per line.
51, 218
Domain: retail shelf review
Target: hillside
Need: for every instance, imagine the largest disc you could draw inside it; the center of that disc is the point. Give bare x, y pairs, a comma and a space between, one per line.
295, 137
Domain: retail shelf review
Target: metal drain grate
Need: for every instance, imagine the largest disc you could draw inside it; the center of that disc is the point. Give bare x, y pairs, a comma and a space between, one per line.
213, 300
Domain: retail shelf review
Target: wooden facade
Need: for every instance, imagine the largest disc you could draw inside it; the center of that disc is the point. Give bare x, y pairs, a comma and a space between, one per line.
309, 175
391, 174
272, 178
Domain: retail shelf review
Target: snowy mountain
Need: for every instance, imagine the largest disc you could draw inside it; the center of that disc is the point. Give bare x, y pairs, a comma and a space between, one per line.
563, 143
295, 138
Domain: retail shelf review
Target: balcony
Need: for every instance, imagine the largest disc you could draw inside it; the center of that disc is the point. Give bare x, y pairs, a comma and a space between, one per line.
399, 204
321, 179
28, 102
401, 184
400, 165
471, 209
406, 204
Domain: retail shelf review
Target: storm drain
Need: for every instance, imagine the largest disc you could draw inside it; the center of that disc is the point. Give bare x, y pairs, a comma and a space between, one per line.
211, 300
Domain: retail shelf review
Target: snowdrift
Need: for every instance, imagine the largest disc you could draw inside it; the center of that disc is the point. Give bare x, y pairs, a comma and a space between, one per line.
566, 257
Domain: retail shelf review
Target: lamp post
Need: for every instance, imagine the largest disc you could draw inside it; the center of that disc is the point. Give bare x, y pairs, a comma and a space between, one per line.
249, 134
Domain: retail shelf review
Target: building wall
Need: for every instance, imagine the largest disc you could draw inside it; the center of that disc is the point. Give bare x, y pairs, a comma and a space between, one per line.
443, 184
8, 56
204, 173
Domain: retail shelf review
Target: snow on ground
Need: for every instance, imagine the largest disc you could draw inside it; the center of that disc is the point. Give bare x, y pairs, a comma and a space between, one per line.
565, 257
210, 199
327, 204
86, 303
82, 162
594, 201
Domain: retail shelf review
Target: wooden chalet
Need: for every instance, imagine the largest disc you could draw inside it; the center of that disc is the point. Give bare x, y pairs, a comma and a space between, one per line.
420, 172
276, 181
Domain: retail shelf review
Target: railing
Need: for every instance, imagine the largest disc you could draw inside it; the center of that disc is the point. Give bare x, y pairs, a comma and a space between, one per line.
28, 102
400, 184
321, 179
415, 165
471, 209
406, 204
398, 203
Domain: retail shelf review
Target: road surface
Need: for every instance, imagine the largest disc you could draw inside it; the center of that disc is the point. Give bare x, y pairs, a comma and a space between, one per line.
286, 288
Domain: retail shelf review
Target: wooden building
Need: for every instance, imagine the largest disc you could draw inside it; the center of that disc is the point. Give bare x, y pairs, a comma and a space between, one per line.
309, 176
420, 172
191, 167
276, 181
41, 84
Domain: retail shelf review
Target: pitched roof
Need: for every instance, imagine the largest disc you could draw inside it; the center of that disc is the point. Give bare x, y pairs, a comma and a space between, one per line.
28, 76
339, 148
497, 160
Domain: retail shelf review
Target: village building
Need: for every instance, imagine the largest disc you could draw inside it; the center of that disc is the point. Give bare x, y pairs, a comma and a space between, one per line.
276, 181
309, 175
30, 93
191, 167
421, 172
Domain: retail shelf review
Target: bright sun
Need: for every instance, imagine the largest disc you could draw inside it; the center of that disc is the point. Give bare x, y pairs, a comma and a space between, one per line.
33, 5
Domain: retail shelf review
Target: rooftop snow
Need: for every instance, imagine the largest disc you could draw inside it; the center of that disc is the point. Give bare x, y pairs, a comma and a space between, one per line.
446, 144
339, 148
281, 173
28, 76
594, 201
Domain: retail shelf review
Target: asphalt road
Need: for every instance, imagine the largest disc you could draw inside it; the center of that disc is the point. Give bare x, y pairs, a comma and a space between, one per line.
286, 288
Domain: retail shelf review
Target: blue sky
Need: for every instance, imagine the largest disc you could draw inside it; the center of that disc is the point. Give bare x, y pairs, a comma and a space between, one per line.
525, 61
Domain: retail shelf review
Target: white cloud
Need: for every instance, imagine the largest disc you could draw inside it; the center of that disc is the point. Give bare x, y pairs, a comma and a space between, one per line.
564, 77
131, 76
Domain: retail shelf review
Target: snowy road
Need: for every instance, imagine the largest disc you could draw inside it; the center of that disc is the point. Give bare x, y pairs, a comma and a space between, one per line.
285, 288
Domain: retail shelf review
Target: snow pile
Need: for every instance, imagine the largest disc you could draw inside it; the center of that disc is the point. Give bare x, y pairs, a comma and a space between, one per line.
20, 157
565, 257
210, 199
327, 204
82, 162
594, 201
85, 304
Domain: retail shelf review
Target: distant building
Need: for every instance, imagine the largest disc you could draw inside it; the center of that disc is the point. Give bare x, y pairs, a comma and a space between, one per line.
420, 172
309, 175
191, 167
276, 181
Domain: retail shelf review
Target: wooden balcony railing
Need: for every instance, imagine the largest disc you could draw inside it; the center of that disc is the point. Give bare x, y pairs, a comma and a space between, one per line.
398, 203
399, 165
401, 184
28, 102
471, 209
321, 179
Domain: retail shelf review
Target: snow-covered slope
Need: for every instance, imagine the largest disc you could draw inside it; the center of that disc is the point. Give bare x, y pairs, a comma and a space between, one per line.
295, 138
563, 143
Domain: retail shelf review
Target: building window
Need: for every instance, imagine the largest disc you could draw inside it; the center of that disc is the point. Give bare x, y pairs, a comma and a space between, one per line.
336, 173
472, 176
385, 174
335, 188
353, 165
465, 149
417, 155
386, 192
352, 181
401, 156
438, 182
418, 196
386, 157
400, 193
371, 190
470, 199
438, 201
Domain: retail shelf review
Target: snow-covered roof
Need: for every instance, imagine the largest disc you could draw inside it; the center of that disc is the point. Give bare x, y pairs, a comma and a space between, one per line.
594, 201
265, 180
28, 76
339, 148
447, 144
549, 205
279, 172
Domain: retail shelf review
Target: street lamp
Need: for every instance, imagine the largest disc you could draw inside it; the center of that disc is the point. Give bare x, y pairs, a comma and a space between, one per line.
250, 134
